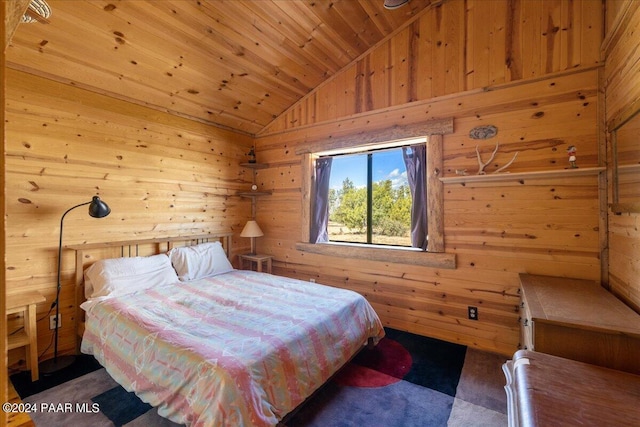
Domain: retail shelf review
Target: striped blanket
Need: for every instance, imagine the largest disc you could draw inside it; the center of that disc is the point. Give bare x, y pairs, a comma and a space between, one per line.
238, 349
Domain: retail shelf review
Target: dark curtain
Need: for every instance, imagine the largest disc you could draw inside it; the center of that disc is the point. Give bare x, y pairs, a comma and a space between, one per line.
320, 214
415, 159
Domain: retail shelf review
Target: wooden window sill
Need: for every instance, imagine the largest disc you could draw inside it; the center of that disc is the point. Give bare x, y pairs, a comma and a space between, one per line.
384, 254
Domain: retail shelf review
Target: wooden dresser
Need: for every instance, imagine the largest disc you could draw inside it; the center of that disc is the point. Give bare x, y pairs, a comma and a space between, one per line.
550, 391
580, 320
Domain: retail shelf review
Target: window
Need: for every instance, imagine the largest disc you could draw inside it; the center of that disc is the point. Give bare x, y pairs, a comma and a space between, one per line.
355, 199
317, 157
369, 197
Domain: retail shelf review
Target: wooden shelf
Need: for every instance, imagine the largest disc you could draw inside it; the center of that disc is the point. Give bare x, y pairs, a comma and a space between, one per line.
255, 165
624, 207
628, 168
506, 176
19, 339
254, 193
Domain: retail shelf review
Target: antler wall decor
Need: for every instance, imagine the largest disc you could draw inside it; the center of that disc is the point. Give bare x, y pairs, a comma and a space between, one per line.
482, 165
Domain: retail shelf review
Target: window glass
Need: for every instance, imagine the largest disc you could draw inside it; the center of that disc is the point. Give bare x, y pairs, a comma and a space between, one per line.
348, 199
369, 198
391, 199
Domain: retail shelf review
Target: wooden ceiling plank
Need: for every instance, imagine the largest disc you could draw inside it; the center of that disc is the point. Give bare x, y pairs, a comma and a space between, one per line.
384, 22
295, 37
152, 69
326, 13
359, 21
237, 63
196, 34
294, 24
158, 64
263, 48
187, 110
321, 34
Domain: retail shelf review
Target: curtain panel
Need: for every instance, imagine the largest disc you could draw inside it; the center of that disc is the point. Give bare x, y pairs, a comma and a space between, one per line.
320, 211
415, 159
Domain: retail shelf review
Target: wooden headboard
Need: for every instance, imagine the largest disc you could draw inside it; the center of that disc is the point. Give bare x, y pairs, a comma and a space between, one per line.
87, 254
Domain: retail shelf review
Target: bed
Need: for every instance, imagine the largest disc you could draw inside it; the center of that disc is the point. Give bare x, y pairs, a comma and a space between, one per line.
209, 345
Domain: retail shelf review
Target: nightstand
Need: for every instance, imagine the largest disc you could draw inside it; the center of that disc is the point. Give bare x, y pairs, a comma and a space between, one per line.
258, 259
28, 338
578, 319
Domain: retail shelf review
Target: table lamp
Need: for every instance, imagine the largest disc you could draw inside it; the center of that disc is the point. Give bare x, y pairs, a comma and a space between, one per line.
252, 230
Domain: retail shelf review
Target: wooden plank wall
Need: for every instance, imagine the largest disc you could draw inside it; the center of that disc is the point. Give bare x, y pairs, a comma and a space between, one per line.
531, 68
528, 67
457, 46
622, 91
6, 28
161, 175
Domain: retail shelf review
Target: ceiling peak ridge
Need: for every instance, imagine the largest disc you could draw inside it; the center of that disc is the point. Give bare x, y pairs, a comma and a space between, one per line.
435, 3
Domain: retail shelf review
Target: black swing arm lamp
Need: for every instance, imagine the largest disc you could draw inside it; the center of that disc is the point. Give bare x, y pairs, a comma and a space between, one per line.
97, 209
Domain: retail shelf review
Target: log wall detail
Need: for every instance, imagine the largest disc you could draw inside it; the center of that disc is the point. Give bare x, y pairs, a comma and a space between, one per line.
539, 87
531, 68
161, 175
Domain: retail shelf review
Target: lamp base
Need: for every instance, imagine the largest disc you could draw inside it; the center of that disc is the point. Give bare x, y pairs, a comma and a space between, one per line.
51, 366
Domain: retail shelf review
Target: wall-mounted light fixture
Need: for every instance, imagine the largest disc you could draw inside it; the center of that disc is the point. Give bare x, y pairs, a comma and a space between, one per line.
394, 4
37, 11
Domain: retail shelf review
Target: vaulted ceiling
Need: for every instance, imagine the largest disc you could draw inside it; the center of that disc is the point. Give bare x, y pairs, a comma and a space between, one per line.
236, 63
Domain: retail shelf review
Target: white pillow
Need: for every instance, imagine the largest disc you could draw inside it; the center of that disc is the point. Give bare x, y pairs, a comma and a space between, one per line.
196, 262
121, 276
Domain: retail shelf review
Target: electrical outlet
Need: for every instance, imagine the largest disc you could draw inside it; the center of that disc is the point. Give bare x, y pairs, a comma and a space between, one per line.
52, 321
473, 312
312, 280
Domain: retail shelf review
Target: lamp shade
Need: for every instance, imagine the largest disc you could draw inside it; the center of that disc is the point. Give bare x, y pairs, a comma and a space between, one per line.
251, 229
98, 208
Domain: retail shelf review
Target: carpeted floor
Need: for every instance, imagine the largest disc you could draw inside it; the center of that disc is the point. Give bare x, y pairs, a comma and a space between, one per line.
407, 380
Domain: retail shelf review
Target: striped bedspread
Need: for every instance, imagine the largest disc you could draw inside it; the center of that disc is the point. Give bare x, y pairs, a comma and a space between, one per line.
238, 349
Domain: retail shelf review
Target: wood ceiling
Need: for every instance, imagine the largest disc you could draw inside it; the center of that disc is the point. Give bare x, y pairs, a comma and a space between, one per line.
236, 63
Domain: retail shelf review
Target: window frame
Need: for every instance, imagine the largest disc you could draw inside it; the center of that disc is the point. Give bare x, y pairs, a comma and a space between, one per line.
435, 255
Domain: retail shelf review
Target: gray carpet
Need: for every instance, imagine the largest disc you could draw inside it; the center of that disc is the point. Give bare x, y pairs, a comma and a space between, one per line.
480, 397
479, 400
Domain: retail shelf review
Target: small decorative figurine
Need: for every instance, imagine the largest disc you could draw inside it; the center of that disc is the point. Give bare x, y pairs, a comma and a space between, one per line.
252, 156
571, 152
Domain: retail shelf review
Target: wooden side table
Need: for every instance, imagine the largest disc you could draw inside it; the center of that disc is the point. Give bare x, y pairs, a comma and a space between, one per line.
579, 319
259, 259
25, 302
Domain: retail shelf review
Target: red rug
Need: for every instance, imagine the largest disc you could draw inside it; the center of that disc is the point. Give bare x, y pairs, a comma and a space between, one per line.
385, 364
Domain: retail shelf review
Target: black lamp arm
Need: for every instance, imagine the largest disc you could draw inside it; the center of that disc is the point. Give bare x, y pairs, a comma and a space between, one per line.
98, 209
60, 245
57, 301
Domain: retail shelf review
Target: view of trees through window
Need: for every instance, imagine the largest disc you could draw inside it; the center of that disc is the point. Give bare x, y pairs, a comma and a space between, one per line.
369, 199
